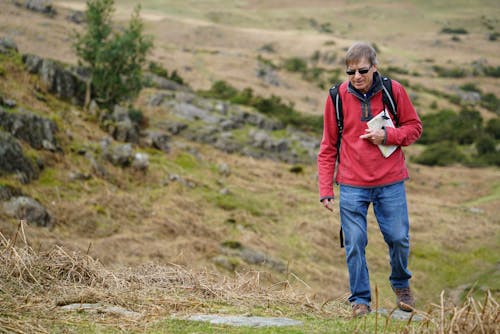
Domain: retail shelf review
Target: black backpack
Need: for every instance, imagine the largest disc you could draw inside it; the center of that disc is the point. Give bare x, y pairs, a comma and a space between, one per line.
388, 101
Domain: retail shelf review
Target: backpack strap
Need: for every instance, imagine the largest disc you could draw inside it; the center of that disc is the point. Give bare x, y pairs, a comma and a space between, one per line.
337, 103
388, 98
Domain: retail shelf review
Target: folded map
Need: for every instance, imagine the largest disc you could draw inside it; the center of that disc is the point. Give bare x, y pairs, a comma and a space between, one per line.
379, 122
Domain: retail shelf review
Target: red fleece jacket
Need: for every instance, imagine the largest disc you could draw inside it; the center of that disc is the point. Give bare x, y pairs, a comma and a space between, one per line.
361, 162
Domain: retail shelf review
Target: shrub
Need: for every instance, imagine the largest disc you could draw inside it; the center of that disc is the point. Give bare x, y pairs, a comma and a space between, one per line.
491, 102
470, 87
443, 153
176, 77
295, 64
485, 145
491, 71
115, 59
467, 126
459, 31
438, 127
449, 73
272, 106
493, 128
158, 69
462, 128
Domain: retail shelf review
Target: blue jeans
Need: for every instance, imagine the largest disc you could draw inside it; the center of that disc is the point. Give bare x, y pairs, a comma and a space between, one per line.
389, 205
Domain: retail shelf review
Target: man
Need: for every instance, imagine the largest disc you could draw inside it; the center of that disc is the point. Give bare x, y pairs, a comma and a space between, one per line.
365, 176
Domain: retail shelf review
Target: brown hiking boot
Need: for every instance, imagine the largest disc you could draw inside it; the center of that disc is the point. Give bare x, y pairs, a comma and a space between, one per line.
359, 310
404, 299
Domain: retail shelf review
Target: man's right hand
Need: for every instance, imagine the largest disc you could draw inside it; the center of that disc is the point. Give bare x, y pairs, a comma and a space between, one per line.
328, 203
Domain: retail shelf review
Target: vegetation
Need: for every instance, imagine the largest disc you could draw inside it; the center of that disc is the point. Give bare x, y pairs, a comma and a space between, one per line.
459, 31
446, 131
272, 106
69, 292
115, 59
159, 70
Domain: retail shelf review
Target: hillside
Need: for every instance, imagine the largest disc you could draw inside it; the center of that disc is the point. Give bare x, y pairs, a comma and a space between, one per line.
201, 208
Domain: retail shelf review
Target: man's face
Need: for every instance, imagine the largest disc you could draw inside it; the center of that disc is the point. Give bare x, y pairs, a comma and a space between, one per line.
361, 81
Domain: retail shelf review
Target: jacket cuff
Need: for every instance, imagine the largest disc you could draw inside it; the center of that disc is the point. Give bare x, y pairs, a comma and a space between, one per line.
326, 197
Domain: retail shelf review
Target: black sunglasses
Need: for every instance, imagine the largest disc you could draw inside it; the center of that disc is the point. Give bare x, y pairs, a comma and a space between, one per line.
361, 71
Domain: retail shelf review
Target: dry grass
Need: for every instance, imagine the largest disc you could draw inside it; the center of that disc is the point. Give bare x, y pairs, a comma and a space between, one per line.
36, 284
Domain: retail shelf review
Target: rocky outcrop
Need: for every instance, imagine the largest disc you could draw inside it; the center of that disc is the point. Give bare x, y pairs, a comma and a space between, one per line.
7, 45
123, 155
232, 128
12, 159
41, 6
39, 132
119, 125
64, 81
28, 209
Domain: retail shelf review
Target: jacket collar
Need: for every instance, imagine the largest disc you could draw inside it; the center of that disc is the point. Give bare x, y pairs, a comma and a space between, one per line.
374, 89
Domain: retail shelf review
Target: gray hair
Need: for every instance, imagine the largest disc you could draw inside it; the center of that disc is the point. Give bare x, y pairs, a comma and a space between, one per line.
359, 51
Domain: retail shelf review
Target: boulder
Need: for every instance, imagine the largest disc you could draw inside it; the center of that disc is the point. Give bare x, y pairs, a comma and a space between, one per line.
39, 132
157, 140
26, 208
120, 155
41, 6
12, 159
119, 125
64, 81
7, 45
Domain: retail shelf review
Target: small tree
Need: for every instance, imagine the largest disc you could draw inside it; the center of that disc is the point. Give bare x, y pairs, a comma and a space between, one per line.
115, 59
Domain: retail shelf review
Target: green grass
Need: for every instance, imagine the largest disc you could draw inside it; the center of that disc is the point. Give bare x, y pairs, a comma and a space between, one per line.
310, 325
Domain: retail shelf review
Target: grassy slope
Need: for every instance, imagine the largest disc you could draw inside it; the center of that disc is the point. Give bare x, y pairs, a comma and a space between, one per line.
137, 218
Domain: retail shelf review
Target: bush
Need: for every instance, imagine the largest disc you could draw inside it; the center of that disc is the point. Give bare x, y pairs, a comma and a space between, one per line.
467, 126
493, 128
491, 71
459, 31
295, 64
158, 69
491, 102
485, 145
272, 106
443, 153
449, 73
437, 127
470, 87
115, 59
462, 128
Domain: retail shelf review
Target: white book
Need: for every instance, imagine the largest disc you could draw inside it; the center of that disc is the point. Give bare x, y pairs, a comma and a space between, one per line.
378, 122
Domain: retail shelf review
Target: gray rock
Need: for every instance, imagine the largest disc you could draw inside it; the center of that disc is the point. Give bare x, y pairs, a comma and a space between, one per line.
251, 321
162, 83
12, 159
7, 45
224, 169
141, 161
191, 112
119, 125
42, 6
100, 309
157, 140
64, 81
76, 16
28, 209
400, 315
7, 192
120, 155
39, 132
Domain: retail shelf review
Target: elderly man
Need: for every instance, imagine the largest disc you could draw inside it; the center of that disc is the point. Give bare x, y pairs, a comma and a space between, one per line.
365, 175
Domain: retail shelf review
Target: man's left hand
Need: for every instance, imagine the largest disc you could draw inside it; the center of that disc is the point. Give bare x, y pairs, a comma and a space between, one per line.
376, 137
